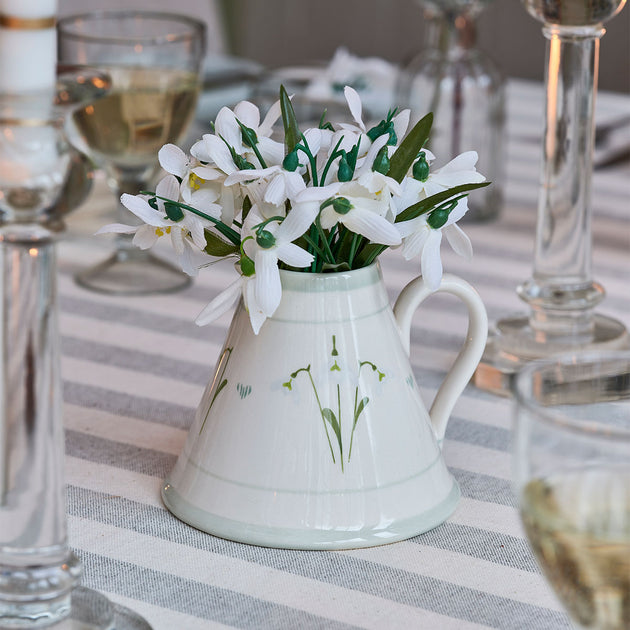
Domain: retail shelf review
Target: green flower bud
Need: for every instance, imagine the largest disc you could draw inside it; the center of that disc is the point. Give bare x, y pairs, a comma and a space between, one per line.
247, 266
341, 205
345, 172
421, 168
439, 217
265, 239
173, 212
241, 163
291, 162
381, 162
250, 139
384, 127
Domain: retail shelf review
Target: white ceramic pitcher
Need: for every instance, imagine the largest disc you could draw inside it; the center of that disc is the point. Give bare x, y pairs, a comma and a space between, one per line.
312, 434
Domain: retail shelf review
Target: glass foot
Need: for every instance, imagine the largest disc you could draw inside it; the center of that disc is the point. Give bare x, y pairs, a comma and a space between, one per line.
133, 272
513, 343
85, 609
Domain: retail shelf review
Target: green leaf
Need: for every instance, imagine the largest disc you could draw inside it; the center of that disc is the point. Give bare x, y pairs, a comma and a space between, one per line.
331, 418
216, 246
408, 150
428, 204
292, 133
359, 410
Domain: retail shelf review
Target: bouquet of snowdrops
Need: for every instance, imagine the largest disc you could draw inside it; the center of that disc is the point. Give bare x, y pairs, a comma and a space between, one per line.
327, 199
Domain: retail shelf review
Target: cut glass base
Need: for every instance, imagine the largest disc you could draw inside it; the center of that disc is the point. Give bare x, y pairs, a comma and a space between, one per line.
514, 343
83, 609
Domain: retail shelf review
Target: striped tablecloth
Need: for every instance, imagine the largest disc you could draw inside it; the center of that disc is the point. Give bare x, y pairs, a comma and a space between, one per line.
134, 369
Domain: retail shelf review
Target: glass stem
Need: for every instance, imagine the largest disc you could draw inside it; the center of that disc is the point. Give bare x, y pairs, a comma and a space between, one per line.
561, 292
125, 248
37, 569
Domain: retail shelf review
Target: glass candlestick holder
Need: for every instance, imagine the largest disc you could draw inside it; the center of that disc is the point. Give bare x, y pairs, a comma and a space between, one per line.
561, 294
464, 89
39, 574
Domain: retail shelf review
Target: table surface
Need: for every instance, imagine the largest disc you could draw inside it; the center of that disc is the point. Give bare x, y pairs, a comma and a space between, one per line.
134, 370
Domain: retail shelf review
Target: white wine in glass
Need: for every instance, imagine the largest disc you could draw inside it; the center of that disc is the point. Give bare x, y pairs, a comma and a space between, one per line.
573, 480
153, 61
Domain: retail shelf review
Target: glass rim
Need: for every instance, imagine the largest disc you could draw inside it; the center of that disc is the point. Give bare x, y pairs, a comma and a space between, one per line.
560, 419
197, 27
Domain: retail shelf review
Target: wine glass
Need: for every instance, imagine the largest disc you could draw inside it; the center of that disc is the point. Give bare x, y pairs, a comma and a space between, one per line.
153, 60
464, 89
572, 474
561, 294
39, 574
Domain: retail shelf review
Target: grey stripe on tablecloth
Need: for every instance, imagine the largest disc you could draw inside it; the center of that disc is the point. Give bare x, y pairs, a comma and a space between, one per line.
196, 598
334, 568
134, 359
170, 414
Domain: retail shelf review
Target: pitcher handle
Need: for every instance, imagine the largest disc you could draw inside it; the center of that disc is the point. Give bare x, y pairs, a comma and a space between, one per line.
468, 358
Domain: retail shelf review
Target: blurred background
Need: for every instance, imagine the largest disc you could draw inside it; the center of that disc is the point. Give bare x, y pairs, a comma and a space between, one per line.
277, 33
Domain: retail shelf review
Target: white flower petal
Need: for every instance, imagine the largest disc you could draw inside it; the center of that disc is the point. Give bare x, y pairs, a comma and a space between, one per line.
197, 232
413, 244
458, 240
329, 217
117, 228
275, 111
401, 122
247, 175
173, 160
167, 187
177, 240
463, 162
276, 192
314, 139
248, 114
293, 255
218, 152
145, 237
199, 149
268, 289
294, 183
227, 128
430, 261
256, 315
271, 151
374, 227
297, 221
207, 173
220, 304
354, 104
141, 208
319, 193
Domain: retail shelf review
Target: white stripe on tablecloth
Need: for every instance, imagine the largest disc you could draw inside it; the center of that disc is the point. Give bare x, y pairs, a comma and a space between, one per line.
501, 519
132, 382
272, 585
115, 334
488, 577
113, 481
142, 433
478, 459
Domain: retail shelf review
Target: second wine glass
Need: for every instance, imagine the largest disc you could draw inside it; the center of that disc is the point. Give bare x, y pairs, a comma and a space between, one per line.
153, 60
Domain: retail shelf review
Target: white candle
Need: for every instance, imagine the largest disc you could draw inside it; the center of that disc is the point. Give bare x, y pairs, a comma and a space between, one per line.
28, 45
29, 9
27, 60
